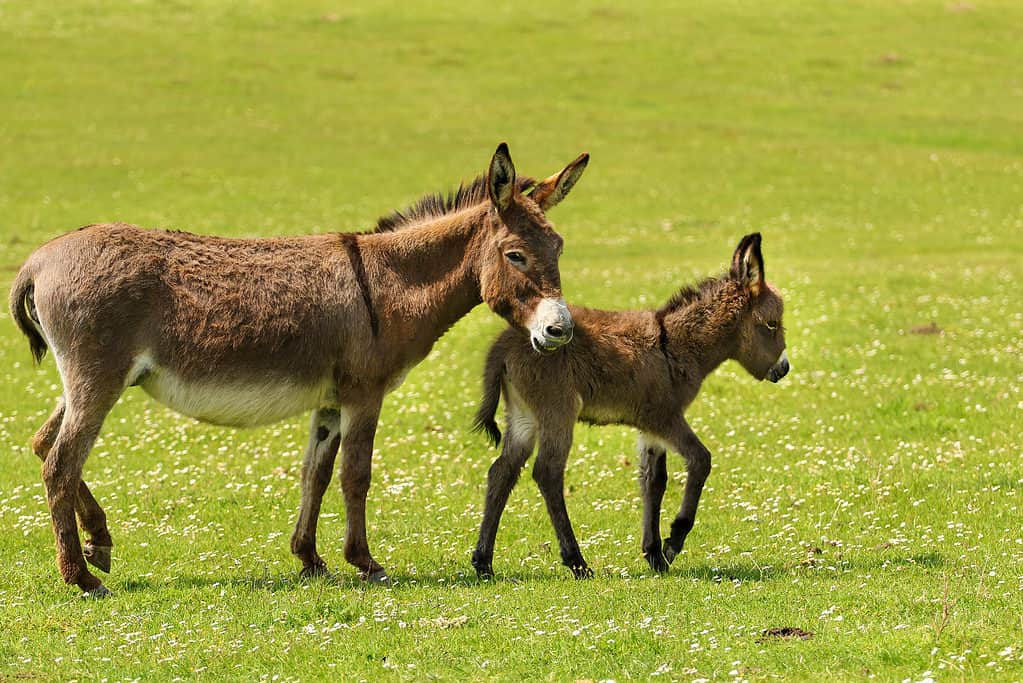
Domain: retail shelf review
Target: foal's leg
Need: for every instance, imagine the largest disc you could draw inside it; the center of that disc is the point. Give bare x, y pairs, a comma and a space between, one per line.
520, 437
87, 403
698, 467
549, 474
653, 479
90, 515
317, 470
356, 472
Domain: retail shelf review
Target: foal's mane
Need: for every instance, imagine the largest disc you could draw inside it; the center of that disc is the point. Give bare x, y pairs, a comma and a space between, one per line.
439, 204
689, 294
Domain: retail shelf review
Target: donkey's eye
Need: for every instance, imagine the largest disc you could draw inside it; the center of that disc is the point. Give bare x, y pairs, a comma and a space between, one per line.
517, 258
772, 326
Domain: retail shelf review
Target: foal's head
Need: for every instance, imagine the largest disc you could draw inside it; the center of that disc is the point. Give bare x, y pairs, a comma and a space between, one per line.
519, 276
761, 347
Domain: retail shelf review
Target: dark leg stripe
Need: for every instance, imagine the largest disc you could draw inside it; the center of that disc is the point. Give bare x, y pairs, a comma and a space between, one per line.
351, 244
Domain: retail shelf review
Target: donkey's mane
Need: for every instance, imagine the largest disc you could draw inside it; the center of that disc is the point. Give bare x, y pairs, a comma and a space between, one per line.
691, 293
438, 204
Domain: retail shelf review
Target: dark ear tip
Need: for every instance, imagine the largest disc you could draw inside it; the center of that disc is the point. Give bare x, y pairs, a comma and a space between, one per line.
502, 149
583, 159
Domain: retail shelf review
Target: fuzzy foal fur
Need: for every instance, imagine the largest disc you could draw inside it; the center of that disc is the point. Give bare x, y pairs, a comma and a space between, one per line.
639, 368
249, 331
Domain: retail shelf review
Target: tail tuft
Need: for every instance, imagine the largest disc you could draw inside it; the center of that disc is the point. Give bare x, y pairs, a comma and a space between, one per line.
482, 423
23, 310
493, 374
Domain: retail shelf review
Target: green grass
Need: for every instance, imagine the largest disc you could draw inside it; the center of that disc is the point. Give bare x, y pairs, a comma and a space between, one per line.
873, 497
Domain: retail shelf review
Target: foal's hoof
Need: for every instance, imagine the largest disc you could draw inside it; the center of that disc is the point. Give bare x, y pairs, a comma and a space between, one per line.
98, 556
379, 577
484, 568
97, 593
657, 562
670, 553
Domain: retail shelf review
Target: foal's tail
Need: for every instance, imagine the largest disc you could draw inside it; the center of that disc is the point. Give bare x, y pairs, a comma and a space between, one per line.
493, 374
23, 310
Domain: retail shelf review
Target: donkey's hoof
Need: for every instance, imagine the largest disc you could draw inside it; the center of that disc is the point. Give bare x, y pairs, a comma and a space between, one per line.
658, 562
97, 593
379, 577
98, 556
315, 570
669, 552
484, 572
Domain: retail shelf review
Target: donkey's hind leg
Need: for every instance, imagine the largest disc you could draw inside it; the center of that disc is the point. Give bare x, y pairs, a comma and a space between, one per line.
317, 469
549, 474
698, 468
87, 406
504, 473
653, 480
90, 514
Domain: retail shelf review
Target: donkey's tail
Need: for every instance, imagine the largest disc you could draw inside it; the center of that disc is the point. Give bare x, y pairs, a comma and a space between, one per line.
493, 374
23, 310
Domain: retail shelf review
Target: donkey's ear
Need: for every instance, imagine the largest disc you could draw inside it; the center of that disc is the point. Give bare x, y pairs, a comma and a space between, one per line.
550, 192
748, 263
501, 178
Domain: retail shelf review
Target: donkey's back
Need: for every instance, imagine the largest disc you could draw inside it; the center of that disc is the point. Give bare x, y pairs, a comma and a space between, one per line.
232, 331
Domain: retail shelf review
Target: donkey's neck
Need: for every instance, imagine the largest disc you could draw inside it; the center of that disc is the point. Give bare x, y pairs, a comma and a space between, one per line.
427, 274
703, 334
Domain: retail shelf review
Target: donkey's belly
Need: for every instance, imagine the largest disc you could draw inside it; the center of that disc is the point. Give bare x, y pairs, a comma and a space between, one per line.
232, 402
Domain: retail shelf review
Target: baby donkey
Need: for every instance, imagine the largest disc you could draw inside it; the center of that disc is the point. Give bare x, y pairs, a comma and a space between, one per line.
639, 368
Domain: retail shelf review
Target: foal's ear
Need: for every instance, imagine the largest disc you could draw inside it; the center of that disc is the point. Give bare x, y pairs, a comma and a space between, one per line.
748, 263
551, 191
501, 178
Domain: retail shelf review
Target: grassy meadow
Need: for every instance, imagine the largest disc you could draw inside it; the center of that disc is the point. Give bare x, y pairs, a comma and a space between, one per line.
873, 498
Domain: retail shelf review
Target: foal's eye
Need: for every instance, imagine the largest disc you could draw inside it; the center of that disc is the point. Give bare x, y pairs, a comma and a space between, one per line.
517, 258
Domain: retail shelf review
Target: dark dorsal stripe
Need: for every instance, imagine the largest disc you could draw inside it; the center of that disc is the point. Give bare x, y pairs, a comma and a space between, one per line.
351, 245
439, 204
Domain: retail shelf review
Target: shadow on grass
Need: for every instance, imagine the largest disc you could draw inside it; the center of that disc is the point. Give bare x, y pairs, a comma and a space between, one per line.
269, 583
344, 580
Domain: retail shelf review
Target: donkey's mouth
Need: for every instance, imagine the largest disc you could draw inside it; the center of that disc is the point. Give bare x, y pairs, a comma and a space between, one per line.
779, 369
545, 347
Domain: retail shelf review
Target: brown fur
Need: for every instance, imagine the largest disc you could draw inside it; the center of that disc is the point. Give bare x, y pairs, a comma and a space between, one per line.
245, 331
639, 368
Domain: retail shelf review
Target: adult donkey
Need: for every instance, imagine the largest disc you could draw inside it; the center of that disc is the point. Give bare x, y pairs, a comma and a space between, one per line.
249, 331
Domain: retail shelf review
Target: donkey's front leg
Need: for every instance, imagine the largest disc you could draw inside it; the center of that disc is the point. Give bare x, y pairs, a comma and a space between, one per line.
356, 472
324, 438
653, 479
698, 467
549, 474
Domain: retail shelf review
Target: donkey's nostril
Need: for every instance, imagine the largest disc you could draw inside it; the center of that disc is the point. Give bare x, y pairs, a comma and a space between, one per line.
554, 331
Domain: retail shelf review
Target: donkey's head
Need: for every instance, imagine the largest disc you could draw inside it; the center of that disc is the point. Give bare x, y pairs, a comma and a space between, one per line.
761, 348
519, 276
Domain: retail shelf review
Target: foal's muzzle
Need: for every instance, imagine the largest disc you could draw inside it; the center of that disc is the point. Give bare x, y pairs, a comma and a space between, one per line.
779, 369
551, 326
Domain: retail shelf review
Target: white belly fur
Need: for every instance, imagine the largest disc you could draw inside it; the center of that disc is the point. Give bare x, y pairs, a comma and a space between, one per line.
232, 403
